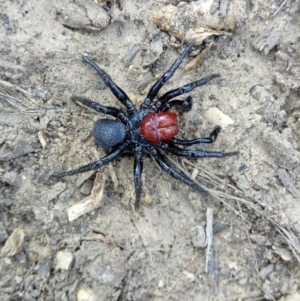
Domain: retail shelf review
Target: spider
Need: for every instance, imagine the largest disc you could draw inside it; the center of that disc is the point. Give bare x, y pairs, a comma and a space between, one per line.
151, 127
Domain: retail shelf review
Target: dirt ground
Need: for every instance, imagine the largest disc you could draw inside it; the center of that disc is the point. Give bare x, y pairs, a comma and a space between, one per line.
165, 250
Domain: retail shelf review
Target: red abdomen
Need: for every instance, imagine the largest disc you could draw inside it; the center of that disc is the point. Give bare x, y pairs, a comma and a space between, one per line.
156, 127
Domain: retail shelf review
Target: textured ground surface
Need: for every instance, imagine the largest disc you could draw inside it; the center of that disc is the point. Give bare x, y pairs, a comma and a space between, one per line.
158, 253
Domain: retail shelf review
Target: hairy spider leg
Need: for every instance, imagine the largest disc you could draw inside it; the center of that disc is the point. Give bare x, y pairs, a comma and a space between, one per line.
137, 171
172, 172
188, 153
165, 77
179, 91
96, 165
100, 108
117, 91
212, 137
183, 105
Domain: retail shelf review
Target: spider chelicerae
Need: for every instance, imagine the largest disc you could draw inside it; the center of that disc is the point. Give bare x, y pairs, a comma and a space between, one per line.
151, 127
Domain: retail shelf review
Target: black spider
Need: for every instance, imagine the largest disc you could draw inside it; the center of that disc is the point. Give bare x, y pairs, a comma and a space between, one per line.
149, 128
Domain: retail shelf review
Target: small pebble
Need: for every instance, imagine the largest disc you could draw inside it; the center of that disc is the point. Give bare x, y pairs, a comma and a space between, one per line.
14, 243
3, 233
160, 284
264, 272
199, 237
85, 294
190, 276
64, 260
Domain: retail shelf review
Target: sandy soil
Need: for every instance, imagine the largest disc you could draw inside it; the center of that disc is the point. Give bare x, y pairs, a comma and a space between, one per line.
159, 252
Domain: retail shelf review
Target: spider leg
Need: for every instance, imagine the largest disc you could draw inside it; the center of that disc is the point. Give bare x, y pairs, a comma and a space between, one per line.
182, 90
195, 153
96, 165
172, 172
165, 77
212, 137
100, 108
117, 91
183, 105
138, 169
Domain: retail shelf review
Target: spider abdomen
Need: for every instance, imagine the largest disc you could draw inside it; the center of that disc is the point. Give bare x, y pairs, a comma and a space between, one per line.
108, 132
156, 127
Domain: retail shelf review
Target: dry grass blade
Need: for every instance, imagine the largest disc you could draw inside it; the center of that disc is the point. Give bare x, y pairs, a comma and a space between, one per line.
209, 238
91, 202
212, 180
18, 98
280, 7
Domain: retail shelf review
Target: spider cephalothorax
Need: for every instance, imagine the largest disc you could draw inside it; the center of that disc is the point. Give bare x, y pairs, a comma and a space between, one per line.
151, 128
